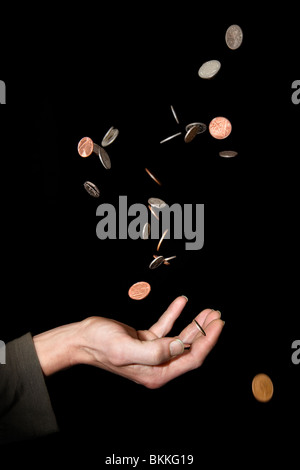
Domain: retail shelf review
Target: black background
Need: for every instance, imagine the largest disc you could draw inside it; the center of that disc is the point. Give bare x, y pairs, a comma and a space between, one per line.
75, 76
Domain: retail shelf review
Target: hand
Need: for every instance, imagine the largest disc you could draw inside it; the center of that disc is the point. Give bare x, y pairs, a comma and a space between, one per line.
147, 357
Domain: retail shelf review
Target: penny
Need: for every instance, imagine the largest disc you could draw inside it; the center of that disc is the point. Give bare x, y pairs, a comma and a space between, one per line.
85, 147
234, 36
201, 127
109, 137
228, 153
156, 262
174, 114
262, 388
156, 202
153, 177
91, 188
191, 134
139, 291
209, 69
171, 137
146, 231
104, 158
161, 240
220, 128
153, 212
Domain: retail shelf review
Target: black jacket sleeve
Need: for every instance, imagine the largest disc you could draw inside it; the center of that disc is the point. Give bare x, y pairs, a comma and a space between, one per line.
25, 407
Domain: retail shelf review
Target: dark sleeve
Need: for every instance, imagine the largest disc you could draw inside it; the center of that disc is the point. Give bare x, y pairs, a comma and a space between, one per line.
25, 407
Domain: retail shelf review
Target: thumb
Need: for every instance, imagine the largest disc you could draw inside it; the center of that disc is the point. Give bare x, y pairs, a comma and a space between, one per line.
154, 352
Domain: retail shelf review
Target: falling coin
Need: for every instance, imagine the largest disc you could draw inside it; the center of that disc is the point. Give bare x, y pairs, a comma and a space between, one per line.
153, 212
234, 36
228, 153
165, 262
174, 114
171, 137
191, 134
104, 158
220, 128
199, 327
146, 231
85, 147
262, 388
153, 177
156, 262
156, 202
139, 291
201, 127
109, 137
91, 188
161, 240
171, 257
209, 69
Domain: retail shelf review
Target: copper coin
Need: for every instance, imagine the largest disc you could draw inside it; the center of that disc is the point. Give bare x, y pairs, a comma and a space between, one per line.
234, 36
191, 134
220, 128
262, 388
153, 177
85, 147
139, 291
161, 240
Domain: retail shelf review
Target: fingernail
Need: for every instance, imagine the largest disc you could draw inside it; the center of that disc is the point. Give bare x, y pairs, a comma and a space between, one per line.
176, 347
185, 297
219, 312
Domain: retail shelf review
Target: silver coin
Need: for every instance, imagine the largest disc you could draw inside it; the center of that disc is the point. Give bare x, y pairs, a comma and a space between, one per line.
109, 137
91, 188
234, 36
201, 127
171, 137
104, 158
209, 69
171, 257
156, 262
174, 114
156, 202
228, 153
146, 231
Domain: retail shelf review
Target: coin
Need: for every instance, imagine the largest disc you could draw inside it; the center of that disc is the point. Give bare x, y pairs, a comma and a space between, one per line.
191, 134
262, 388
85, 147
91, 188
165, 262
161, 240
201, 127
109, 137
104, 158
234, 36
156, 202
153, 212
220, 128
209, 69
171, 257
139, 290
146, 231
171, 137
156, 262
174, 114
228, 153
153, 177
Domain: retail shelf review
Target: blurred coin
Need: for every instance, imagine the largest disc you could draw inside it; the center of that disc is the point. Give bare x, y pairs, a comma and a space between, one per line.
146, 231
209, 69
191, 134
234, 36
171, 257
104, 158
139, 291
201, 127
220, 128
171, 137
228, 153
85, 147
199, 327
156, 202
153, 212
165, 262
153, 177
161, 240
91, 188
174, 114
156, 262
109, 137
262, 388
